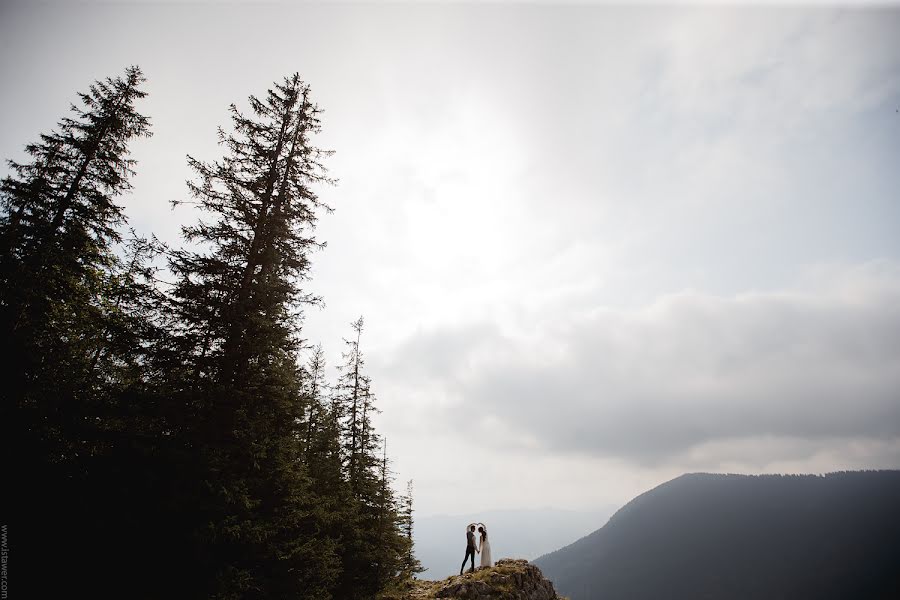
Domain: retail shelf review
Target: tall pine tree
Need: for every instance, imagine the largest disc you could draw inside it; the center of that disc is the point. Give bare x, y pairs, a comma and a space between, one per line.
236, 298
64, 347
58, 224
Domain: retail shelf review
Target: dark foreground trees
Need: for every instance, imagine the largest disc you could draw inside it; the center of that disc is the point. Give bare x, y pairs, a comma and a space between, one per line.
58, 272
171, 438
236, 347
74, 325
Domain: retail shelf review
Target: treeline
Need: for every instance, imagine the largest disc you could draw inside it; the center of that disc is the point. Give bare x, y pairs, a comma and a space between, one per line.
165, 439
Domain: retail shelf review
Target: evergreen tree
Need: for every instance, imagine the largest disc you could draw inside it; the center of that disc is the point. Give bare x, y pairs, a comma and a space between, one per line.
178, 426
399, 565
67, 343
409, 564
237, 299
321, 448
371, 546
388, 528
357, 534
406, 566
58, 223
351, 389
315, 390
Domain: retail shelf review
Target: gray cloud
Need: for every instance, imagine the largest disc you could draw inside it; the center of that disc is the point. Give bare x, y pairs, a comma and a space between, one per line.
652, 384
505, 170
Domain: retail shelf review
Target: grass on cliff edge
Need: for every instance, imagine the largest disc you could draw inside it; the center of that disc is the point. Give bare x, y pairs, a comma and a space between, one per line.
423, 589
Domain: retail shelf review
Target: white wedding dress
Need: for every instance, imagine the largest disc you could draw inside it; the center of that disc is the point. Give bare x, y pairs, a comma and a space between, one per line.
485, 553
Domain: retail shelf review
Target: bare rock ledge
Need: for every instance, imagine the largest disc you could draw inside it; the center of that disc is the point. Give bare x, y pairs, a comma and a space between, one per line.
508, 579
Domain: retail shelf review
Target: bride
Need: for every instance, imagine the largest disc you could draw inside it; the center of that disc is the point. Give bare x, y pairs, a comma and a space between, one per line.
484, 546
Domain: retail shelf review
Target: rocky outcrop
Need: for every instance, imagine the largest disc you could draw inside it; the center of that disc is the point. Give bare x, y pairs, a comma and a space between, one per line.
507, 579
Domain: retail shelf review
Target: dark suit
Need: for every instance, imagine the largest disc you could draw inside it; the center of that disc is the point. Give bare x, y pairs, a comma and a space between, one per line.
470, 551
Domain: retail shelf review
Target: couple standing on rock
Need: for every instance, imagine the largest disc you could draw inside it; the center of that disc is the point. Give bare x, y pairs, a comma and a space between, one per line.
483, 546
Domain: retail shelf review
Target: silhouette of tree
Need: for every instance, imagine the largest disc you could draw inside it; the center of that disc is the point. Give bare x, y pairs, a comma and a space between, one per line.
236, 299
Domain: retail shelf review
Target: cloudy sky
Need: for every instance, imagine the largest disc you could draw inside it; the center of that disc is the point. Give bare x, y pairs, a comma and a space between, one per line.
595, 246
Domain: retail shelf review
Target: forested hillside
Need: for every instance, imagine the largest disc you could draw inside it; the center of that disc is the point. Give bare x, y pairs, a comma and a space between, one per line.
743, 537
170, 438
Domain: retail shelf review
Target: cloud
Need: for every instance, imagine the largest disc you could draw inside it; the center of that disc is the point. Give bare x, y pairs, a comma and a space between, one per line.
689, 372
522, 189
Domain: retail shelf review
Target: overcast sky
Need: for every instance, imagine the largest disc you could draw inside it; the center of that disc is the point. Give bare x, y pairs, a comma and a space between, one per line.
595, 246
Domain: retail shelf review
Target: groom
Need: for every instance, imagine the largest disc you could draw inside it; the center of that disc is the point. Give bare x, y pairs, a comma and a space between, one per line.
470, 549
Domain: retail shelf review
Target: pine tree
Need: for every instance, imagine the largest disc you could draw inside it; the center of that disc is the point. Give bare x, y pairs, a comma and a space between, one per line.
388, 563
58, 224
321, 451
65, 354
237, 301
356, 533
179, 425
409, 564
315, 390
351, 389
371, 547
399, 565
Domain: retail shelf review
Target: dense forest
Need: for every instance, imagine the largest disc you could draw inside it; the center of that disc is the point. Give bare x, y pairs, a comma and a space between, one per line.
743, 537
172, 432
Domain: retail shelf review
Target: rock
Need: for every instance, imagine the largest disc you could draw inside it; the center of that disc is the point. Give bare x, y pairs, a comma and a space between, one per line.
508, 579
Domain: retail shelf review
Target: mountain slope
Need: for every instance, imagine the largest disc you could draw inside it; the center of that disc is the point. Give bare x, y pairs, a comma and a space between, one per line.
739, 536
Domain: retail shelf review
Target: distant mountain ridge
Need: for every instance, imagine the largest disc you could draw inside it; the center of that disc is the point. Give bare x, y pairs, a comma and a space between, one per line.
743, 537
